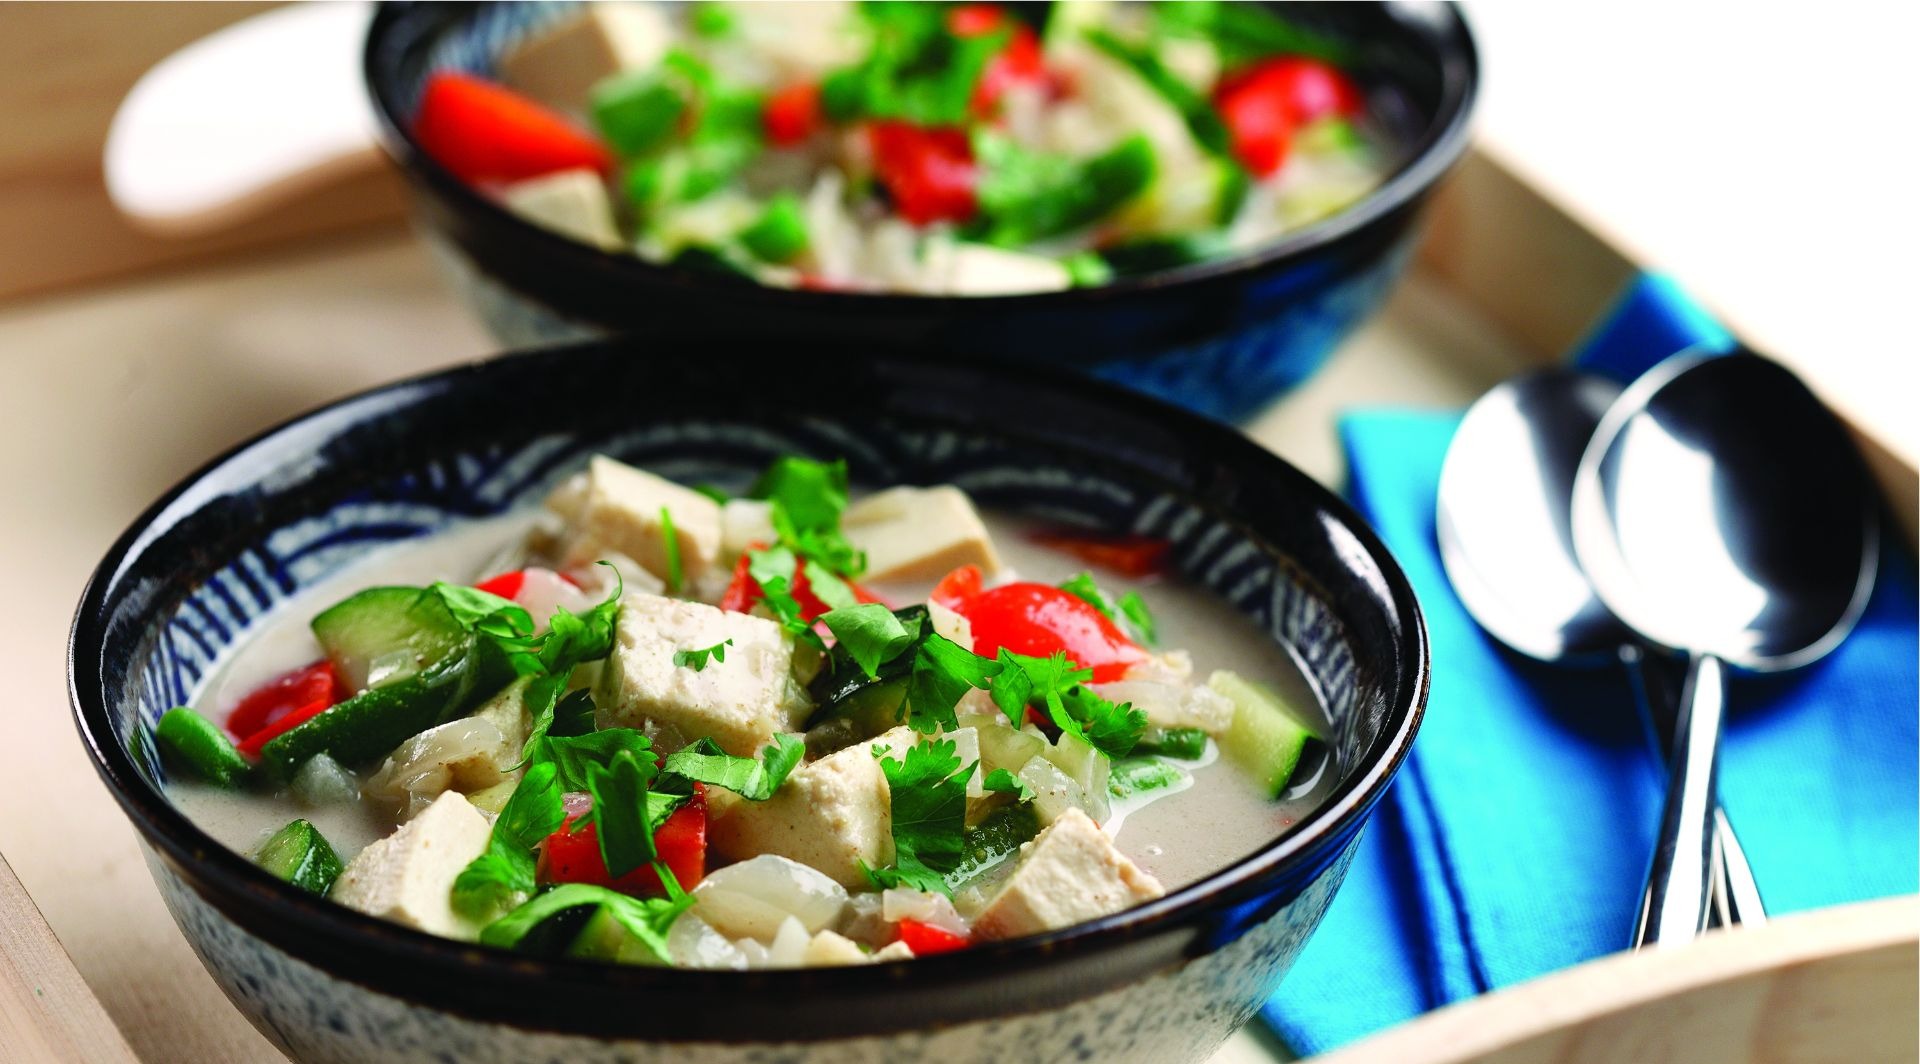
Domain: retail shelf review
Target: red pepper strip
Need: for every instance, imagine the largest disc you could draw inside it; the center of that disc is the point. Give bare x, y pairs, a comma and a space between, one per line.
506, 585
1040, 620
1134, 556
284, 694
251, 745
743, 591
926, 939
793, 114
1263, 104
957, 588
681, 842
1021, 59
484, 132
928, 173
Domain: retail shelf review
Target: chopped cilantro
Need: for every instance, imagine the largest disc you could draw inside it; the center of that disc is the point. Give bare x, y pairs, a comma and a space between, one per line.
807, 498
753, 780
917, 68
779, 235
711, 20
697, 659
646, 919
504, 875
1027, 196
1130, 610
1057, 683
670, 540
1004, 781
1134, 609
773, 568
621, 810
871, 634
929, 788
943, 671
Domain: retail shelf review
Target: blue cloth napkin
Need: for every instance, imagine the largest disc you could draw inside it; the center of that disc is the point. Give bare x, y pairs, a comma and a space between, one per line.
1515, 840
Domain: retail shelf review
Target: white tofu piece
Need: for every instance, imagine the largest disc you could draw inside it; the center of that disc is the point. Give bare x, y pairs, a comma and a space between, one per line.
408, 876
918, 533
830, 815
744, 522
1070, 873
572, 203
560, 67
741, 703
980, 270
614, 508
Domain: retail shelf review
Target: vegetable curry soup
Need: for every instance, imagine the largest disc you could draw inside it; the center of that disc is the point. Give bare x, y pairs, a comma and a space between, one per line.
651, 724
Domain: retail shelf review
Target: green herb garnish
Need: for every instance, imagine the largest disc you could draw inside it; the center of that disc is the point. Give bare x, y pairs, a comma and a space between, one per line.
1006, 782
646, 919
670, 541
754, 780
929, 788
1130, 610
1027, 196
697, 659
1058, 684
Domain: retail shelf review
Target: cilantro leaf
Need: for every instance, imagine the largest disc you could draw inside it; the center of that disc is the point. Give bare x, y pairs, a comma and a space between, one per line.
573, 638
697, 659
1057, 683
929, 789
917, 69
772, 568
806, 500
676, 573
1027, 196
753, 780
943, 672
1130, 611
620, 810
827, 587
1134, 609
1004, 781
504, 874
574, 755
1244, 32
646, 919
871, 634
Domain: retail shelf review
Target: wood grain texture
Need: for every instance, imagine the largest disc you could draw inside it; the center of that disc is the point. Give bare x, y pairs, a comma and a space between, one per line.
63, 70
47, 1013
1839, 986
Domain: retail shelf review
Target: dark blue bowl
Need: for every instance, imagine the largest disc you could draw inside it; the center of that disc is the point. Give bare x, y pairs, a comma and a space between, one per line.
1168, 981
1223, 337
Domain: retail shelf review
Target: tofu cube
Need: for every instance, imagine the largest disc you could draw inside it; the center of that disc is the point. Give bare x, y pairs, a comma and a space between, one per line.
831, 815
741, 703
572, 203
408, 876
560, 67
918, 533
614, 508
1070, 873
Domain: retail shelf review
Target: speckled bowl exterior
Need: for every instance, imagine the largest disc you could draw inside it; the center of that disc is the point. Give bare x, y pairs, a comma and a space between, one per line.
1168, 981
1223, 337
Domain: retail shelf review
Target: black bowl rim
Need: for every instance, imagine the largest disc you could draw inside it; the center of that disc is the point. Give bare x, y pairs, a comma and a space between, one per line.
1441, 145
296, 922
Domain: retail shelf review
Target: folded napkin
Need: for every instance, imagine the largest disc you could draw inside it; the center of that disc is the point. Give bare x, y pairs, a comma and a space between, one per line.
1515, 840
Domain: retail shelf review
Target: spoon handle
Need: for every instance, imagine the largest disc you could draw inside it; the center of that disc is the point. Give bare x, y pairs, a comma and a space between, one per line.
1680, 882
1736, 896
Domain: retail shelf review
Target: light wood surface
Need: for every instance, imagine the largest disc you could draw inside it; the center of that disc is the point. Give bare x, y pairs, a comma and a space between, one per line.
1841, 986
63, 70
47, 1012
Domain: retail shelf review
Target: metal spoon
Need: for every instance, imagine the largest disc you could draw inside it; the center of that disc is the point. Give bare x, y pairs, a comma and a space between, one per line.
1507, 544
1720, 511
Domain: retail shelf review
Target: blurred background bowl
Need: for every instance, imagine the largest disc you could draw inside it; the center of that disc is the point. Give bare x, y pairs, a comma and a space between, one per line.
1222, 337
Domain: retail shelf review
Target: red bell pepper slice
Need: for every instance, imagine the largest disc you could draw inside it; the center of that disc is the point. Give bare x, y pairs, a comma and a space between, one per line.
1020, 61
928, 172
283, 695
1039, 620
925, 939
681, 841
1263, 104
252, 744
793, 114
1134, 556
484, 132
506, 585
743, 591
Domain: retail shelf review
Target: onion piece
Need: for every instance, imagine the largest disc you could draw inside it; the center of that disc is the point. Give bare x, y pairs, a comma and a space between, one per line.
693, 943
934, 910
753, 898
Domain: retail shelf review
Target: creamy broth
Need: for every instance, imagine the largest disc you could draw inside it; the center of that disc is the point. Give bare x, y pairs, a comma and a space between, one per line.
1179, 837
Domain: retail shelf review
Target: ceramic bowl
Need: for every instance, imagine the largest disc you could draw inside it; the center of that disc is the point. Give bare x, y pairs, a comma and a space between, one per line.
1168, 981
1223, 337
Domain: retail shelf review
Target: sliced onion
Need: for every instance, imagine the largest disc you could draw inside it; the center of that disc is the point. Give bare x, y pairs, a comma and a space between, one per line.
693, 943
461, 755
1054, 792
1170, 705
753, 898
324, 781
789, 946
934, 910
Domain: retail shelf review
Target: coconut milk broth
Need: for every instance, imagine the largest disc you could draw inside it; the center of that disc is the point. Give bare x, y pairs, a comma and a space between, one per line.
1180, 837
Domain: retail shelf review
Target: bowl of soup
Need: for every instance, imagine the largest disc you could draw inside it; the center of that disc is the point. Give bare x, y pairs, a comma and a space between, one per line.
580, 705
1197, 200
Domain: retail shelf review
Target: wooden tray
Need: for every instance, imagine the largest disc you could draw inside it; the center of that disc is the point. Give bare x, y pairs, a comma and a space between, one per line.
134, 385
